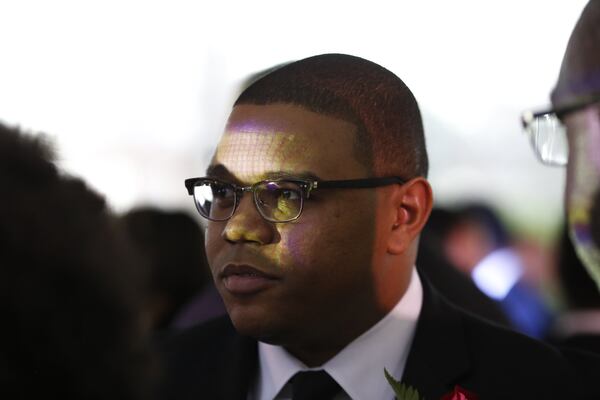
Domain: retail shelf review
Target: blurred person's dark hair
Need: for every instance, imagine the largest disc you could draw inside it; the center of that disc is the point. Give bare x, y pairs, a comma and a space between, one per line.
440, 222
468, 232
485, 216
67, 285
172, 246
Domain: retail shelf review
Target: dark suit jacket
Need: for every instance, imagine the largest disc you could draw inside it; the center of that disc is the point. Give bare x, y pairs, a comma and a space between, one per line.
451, 347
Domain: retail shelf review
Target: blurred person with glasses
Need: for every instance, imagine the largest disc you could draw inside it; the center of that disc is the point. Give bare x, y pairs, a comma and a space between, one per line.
315, 199
568, 135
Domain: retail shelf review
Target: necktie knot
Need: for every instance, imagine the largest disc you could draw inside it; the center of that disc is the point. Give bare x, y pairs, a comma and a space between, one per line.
314, 385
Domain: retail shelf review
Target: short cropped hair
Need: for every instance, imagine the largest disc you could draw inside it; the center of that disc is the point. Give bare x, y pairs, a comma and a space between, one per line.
390, 138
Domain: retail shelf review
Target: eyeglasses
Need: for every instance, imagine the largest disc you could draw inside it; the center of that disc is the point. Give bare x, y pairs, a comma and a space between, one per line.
279, 200
547, 133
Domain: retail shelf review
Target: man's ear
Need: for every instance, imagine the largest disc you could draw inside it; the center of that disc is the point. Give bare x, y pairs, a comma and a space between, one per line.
412, 205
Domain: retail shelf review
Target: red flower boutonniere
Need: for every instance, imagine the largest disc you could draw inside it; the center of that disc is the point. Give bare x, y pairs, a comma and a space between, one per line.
459, 393
404, 392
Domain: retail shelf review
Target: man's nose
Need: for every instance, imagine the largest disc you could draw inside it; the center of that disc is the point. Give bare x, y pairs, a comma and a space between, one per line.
247, 225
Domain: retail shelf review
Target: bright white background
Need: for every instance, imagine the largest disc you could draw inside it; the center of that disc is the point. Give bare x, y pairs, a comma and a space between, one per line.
135, 93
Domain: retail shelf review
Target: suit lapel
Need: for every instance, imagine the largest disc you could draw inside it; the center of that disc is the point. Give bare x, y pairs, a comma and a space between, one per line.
438, 355
238, 371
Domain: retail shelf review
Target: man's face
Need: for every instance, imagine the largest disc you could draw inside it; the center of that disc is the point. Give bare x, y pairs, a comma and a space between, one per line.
578, 80
582, 194
305, 280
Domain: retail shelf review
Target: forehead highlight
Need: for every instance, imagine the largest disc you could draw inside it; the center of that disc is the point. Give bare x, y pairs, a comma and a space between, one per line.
252, 154
263, 139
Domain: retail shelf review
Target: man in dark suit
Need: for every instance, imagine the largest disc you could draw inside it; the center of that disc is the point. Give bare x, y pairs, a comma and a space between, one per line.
315, 197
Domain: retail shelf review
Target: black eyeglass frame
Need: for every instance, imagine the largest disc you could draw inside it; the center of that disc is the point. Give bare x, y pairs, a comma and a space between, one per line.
528, 117
306, 186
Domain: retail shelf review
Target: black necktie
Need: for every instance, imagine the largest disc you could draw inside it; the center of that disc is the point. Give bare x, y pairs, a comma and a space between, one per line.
314, 385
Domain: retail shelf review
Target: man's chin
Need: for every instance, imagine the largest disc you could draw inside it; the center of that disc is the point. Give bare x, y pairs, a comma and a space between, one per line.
255, 324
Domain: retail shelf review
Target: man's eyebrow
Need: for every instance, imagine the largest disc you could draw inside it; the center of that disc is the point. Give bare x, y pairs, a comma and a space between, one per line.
221, 172
305, 175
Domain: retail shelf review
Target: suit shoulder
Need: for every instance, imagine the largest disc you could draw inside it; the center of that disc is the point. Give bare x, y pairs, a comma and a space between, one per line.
512, 350
205, 338
193, 359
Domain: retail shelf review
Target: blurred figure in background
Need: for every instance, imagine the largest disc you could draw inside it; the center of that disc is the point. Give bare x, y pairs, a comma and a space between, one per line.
180, 288
457, 287
68, 286
569, 134
578, 326
476, 242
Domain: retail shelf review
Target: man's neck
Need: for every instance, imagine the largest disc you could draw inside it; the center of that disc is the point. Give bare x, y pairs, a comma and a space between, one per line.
316, 348
322, 346
314, 358
325, 345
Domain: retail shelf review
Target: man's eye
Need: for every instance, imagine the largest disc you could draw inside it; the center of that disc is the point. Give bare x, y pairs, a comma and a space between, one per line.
222, 191
288, 201
288, 194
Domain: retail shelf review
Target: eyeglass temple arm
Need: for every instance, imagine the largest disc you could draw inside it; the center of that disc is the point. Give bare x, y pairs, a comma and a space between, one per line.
529, 116
358, 183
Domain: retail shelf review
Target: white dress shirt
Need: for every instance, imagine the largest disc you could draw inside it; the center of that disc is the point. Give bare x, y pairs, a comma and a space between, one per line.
358, 368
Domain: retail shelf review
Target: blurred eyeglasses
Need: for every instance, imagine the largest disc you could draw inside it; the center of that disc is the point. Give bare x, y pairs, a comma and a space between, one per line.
280, 200
548, 134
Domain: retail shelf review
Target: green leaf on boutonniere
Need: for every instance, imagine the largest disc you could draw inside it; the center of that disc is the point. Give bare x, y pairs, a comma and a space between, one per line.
402, 391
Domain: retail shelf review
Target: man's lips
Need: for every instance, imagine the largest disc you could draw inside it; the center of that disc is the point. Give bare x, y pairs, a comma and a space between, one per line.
241, 279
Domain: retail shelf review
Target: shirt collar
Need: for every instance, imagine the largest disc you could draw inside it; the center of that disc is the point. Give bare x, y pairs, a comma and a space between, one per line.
358, 368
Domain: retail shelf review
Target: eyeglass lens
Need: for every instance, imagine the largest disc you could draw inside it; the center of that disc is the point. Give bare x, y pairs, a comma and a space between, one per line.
549, 139
214, 200
277, 201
